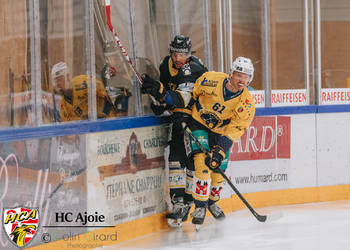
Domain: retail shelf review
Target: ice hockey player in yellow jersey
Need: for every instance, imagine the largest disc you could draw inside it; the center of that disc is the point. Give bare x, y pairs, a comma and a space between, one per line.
74, 104
222, 110
77, 108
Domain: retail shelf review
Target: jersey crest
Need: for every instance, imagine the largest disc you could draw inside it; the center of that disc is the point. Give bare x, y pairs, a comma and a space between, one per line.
186, 69
210, 118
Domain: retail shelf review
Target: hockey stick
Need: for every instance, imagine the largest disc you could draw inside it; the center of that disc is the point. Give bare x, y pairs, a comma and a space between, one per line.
114, 32
261, 218
123, 50
121, 47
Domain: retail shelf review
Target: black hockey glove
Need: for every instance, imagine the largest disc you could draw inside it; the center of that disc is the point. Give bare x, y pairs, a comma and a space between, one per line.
215, 157
179, 117
153, 88
158, 109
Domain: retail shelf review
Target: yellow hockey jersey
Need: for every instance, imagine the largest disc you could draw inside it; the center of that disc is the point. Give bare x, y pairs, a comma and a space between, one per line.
230, 118
76, 107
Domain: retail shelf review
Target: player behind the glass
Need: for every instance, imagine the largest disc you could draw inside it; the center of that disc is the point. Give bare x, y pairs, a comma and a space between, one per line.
222, 110
178, 73
74, 104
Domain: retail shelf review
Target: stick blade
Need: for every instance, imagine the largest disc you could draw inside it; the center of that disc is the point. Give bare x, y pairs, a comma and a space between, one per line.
268, 218
275, 216
261, 218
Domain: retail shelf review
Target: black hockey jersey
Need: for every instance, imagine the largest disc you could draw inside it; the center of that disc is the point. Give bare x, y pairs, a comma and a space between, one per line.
180, 82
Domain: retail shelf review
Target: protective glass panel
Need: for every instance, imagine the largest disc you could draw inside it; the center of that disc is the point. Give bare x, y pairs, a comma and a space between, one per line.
246, 36
287, 45
15, 92
146, 31
152, 31
156, 22
112, 68
335, 63
191, 19
287, 53
63, 61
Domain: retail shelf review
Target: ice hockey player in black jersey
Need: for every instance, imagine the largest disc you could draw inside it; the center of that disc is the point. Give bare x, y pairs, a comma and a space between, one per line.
178, 73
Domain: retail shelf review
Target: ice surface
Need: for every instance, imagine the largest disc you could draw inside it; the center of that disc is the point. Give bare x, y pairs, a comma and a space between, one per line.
311, 226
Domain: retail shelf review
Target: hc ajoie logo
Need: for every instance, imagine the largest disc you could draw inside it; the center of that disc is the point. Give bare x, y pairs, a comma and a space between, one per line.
21, 224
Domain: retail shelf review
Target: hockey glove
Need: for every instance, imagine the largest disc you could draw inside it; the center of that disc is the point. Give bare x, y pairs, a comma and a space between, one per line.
158, 109
107, 73
153, 88
215, 157
179, 117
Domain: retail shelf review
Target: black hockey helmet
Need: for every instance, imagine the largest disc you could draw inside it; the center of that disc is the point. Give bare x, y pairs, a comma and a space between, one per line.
180, 44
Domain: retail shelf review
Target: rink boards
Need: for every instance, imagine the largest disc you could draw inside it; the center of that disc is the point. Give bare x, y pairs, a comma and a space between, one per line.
282, 159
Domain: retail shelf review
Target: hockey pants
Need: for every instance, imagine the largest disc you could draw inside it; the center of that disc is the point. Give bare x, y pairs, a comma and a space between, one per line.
206, 183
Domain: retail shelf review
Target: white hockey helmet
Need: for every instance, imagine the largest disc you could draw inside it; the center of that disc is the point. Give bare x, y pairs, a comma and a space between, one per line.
243, 65
59, 69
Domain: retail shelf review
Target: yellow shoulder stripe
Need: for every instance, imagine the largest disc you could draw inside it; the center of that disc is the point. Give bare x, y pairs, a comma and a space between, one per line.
172, 70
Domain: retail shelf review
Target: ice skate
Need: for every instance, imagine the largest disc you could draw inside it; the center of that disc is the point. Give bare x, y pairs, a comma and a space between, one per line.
186, 211
216, 211
179, 213
198, 217
174, 223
